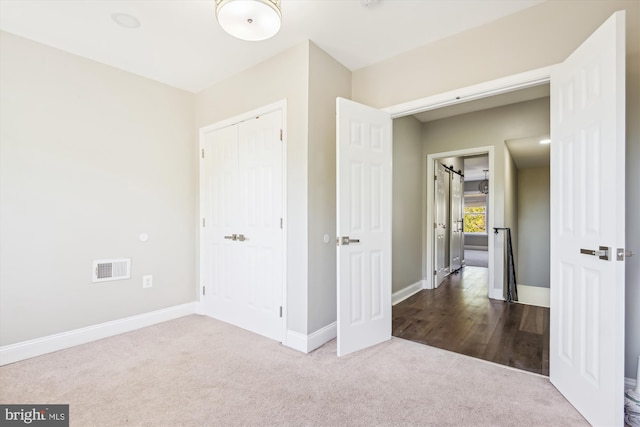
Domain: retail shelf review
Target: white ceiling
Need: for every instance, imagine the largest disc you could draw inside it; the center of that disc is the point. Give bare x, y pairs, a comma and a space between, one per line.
529, 153
180, 43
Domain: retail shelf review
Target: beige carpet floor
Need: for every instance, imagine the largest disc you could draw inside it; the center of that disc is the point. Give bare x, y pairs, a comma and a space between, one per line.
196, 371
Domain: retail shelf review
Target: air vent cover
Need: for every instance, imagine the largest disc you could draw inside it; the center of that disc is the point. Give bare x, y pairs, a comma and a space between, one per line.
111, 269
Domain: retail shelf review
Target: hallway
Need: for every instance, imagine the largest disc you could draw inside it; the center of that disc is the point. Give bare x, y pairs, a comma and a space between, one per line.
459, 317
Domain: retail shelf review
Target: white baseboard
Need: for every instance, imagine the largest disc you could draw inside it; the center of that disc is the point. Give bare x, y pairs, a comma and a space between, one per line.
410, 290
496, 294
533, 295
308, 343
39, 346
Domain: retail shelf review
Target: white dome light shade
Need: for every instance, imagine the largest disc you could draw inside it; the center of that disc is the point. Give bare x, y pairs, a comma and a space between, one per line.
251, 20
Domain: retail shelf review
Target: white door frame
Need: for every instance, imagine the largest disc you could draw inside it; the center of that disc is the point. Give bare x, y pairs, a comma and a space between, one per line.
276, 106
486, 89
429, 210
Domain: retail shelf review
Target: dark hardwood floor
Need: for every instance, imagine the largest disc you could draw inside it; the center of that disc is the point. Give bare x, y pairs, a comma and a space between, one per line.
458, 316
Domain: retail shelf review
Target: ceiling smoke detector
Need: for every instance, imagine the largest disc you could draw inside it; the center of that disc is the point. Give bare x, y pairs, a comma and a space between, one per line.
125, 20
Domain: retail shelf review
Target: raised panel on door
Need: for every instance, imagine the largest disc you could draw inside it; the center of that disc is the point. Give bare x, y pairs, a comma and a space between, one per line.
364, 216
587, 211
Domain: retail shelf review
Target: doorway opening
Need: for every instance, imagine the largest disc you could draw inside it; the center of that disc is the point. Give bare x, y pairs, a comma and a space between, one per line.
467, 313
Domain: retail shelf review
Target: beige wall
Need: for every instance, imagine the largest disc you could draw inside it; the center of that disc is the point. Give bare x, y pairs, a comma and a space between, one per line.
285, 76
491, 128
90, 157
536, 37
407, 203
328, 79
533, 227
310, 80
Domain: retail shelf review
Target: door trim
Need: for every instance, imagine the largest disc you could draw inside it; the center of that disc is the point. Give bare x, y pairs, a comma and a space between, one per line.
429, 214
265, 109
461, 95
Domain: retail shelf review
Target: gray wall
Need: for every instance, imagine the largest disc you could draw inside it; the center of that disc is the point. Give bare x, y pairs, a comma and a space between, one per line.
539, 36
533, 226
310, 80
407, 203
511, 200
91, 157
328, 79
476, 241
287, 75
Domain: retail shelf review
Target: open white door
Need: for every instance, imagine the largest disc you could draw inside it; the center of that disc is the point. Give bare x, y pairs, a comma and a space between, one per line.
364, 159
587, 216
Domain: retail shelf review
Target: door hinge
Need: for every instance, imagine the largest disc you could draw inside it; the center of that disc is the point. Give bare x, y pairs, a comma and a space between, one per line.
435, 273
281, 135
203, 222
280, 311
435, 177
203, 290
203, 153
280, 223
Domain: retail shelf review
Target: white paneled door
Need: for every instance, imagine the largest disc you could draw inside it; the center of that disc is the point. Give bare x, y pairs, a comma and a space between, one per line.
588, 224
456, 246
440, 225
242, 235
364, 226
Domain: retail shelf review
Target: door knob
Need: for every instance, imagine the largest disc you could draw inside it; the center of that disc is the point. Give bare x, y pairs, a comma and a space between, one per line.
242, 238
621, 254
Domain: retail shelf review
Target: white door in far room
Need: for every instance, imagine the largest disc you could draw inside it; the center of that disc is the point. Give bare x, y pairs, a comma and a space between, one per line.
440, 224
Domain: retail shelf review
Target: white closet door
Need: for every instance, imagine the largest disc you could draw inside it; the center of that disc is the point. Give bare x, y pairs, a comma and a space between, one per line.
219, 201
260, 211
242, 238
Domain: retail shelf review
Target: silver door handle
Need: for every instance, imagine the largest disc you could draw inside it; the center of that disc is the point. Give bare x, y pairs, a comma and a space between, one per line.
233, 237
344, 241
242, 238
602, 252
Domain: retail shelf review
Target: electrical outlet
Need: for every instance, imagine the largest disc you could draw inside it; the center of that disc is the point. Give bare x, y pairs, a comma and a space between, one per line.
147, 281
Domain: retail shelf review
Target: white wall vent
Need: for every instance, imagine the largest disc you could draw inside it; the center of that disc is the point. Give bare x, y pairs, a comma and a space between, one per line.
111, 269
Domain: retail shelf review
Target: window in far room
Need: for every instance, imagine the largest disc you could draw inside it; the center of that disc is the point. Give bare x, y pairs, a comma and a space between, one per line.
475, 213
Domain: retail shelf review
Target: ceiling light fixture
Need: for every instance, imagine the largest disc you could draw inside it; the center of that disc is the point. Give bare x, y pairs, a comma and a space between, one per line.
483, 187
545, 141
251, 20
